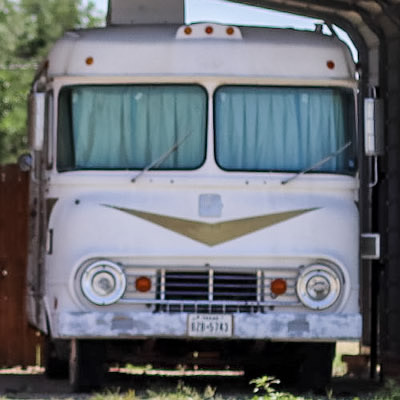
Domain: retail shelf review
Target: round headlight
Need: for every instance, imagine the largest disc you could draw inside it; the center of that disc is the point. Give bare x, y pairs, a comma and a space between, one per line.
103, 282
318, 286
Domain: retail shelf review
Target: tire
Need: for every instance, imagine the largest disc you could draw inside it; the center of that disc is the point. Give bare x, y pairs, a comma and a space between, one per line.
299, 366
56, 358
278, 360
315, 369
86, 365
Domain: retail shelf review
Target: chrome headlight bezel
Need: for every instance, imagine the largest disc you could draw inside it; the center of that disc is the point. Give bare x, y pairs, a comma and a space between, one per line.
324, 275
109, 269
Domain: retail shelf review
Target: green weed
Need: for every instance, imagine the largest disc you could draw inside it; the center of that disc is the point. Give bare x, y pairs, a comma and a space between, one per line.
264, 390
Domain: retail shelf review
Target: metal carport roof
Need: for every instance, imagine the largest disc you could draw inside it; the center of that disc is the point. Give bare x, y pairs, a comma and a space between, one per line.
374, 26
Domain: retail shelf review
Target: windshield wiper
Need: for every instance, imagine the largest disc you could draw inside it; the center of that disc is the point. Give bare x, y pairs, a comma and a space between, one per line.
318, 164
162, 158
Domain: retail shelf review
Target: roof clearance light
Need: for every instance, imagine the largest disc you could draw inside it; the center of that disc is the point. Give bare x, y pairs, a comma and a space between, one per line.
208, 31
330, 64
278, 287
143, 284
89, 61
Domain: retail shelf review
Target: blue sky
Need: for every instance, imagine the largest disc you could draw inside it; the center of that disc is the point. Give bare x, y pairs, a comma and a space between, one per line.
232, 13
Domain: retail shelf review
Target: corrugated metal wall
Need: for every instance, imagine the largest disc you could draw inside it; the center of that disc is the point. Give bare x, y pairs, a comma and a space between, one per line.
18, 341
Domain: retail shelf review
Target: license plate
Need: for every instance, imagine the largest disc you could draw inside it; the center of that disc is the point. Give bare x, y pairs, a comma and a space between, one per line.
210, 325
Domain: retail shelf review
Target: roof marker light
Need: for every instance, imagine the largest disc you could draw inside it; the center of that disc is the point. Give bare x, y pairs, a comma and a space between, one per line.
230, 30
188, 30
330, 64
89, 60
209, 30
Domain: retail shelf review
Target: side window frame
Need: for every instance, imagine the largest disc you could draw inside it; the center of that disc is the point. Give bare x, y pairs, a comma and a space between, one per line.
49, 137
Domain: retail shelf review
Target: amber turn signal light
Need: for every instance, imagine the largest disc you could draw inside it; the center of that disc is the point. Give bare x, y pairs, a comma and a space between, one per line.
278, 286
143, 284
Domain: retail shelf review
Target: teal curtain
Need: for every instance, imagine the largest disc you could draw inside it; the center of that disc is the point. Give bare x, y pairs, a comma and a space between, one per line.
129, 127
283, 129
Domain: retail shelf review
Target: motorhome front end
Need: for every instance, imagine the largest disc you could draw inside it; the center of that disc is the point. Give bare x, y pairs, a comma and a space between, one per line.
197, 183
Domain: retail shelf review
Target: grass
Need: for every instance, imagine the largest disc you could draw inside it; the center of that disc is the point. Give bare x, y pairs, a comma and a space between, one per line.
265, 388
115, 395
182, 392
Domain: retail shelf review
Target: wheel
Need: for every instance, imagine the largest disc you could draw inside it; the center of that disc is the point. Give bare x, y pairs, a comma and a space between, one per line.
86, 365
301, 366
315, 369
278, 359
268, 359
56, 358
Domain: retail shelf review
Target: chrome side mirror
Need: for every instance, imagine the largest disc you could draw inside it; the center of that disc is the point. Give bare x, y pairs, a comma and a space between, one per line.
36, 120
373, 127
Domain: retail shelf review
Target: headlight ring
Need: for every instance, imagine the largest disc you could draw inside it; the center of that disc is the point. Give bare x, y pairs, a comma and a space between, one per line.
103, 282
319, 286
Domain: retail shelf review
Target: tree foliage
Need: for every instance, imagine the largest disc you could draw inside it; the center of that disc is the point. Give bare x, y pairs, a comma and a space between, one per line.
28, 29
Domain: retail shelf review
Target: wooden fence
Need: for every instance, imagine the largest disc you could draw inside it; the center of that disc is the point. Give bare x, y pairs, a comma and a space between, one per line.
20, 344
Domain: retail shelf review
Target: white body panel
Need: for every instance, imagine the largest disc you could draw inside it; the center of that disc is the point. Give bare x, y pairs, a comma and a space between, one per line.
94, 212
165, 51
91, 230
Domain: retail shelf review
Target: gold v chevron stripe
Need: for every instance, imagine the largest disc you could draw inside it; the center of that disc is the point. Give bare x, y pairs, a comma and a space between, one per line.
214, 233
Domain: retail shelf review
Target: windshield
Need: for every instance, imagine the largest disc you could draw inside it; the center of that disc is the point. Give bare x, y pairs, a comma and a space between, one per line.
128, 127
283, 129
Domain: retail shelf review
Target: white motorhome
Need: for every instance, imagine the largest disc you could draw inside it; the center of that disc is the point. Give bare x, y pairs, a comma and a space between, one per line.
196, 188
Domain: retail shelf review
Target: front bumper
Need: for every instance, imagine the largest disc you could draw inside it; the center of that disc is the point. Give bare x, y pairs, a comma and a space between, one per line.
269, 326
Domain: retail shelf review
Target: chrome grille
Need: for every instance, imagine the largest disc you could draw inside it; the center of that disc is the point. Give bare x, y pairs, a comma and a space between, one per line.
210, 286
223, 291
212, 290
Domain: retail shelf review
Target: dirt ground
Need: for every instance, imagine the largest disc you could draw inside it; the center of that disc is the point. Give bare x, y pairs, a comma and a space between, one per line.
37, 386
31, 383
